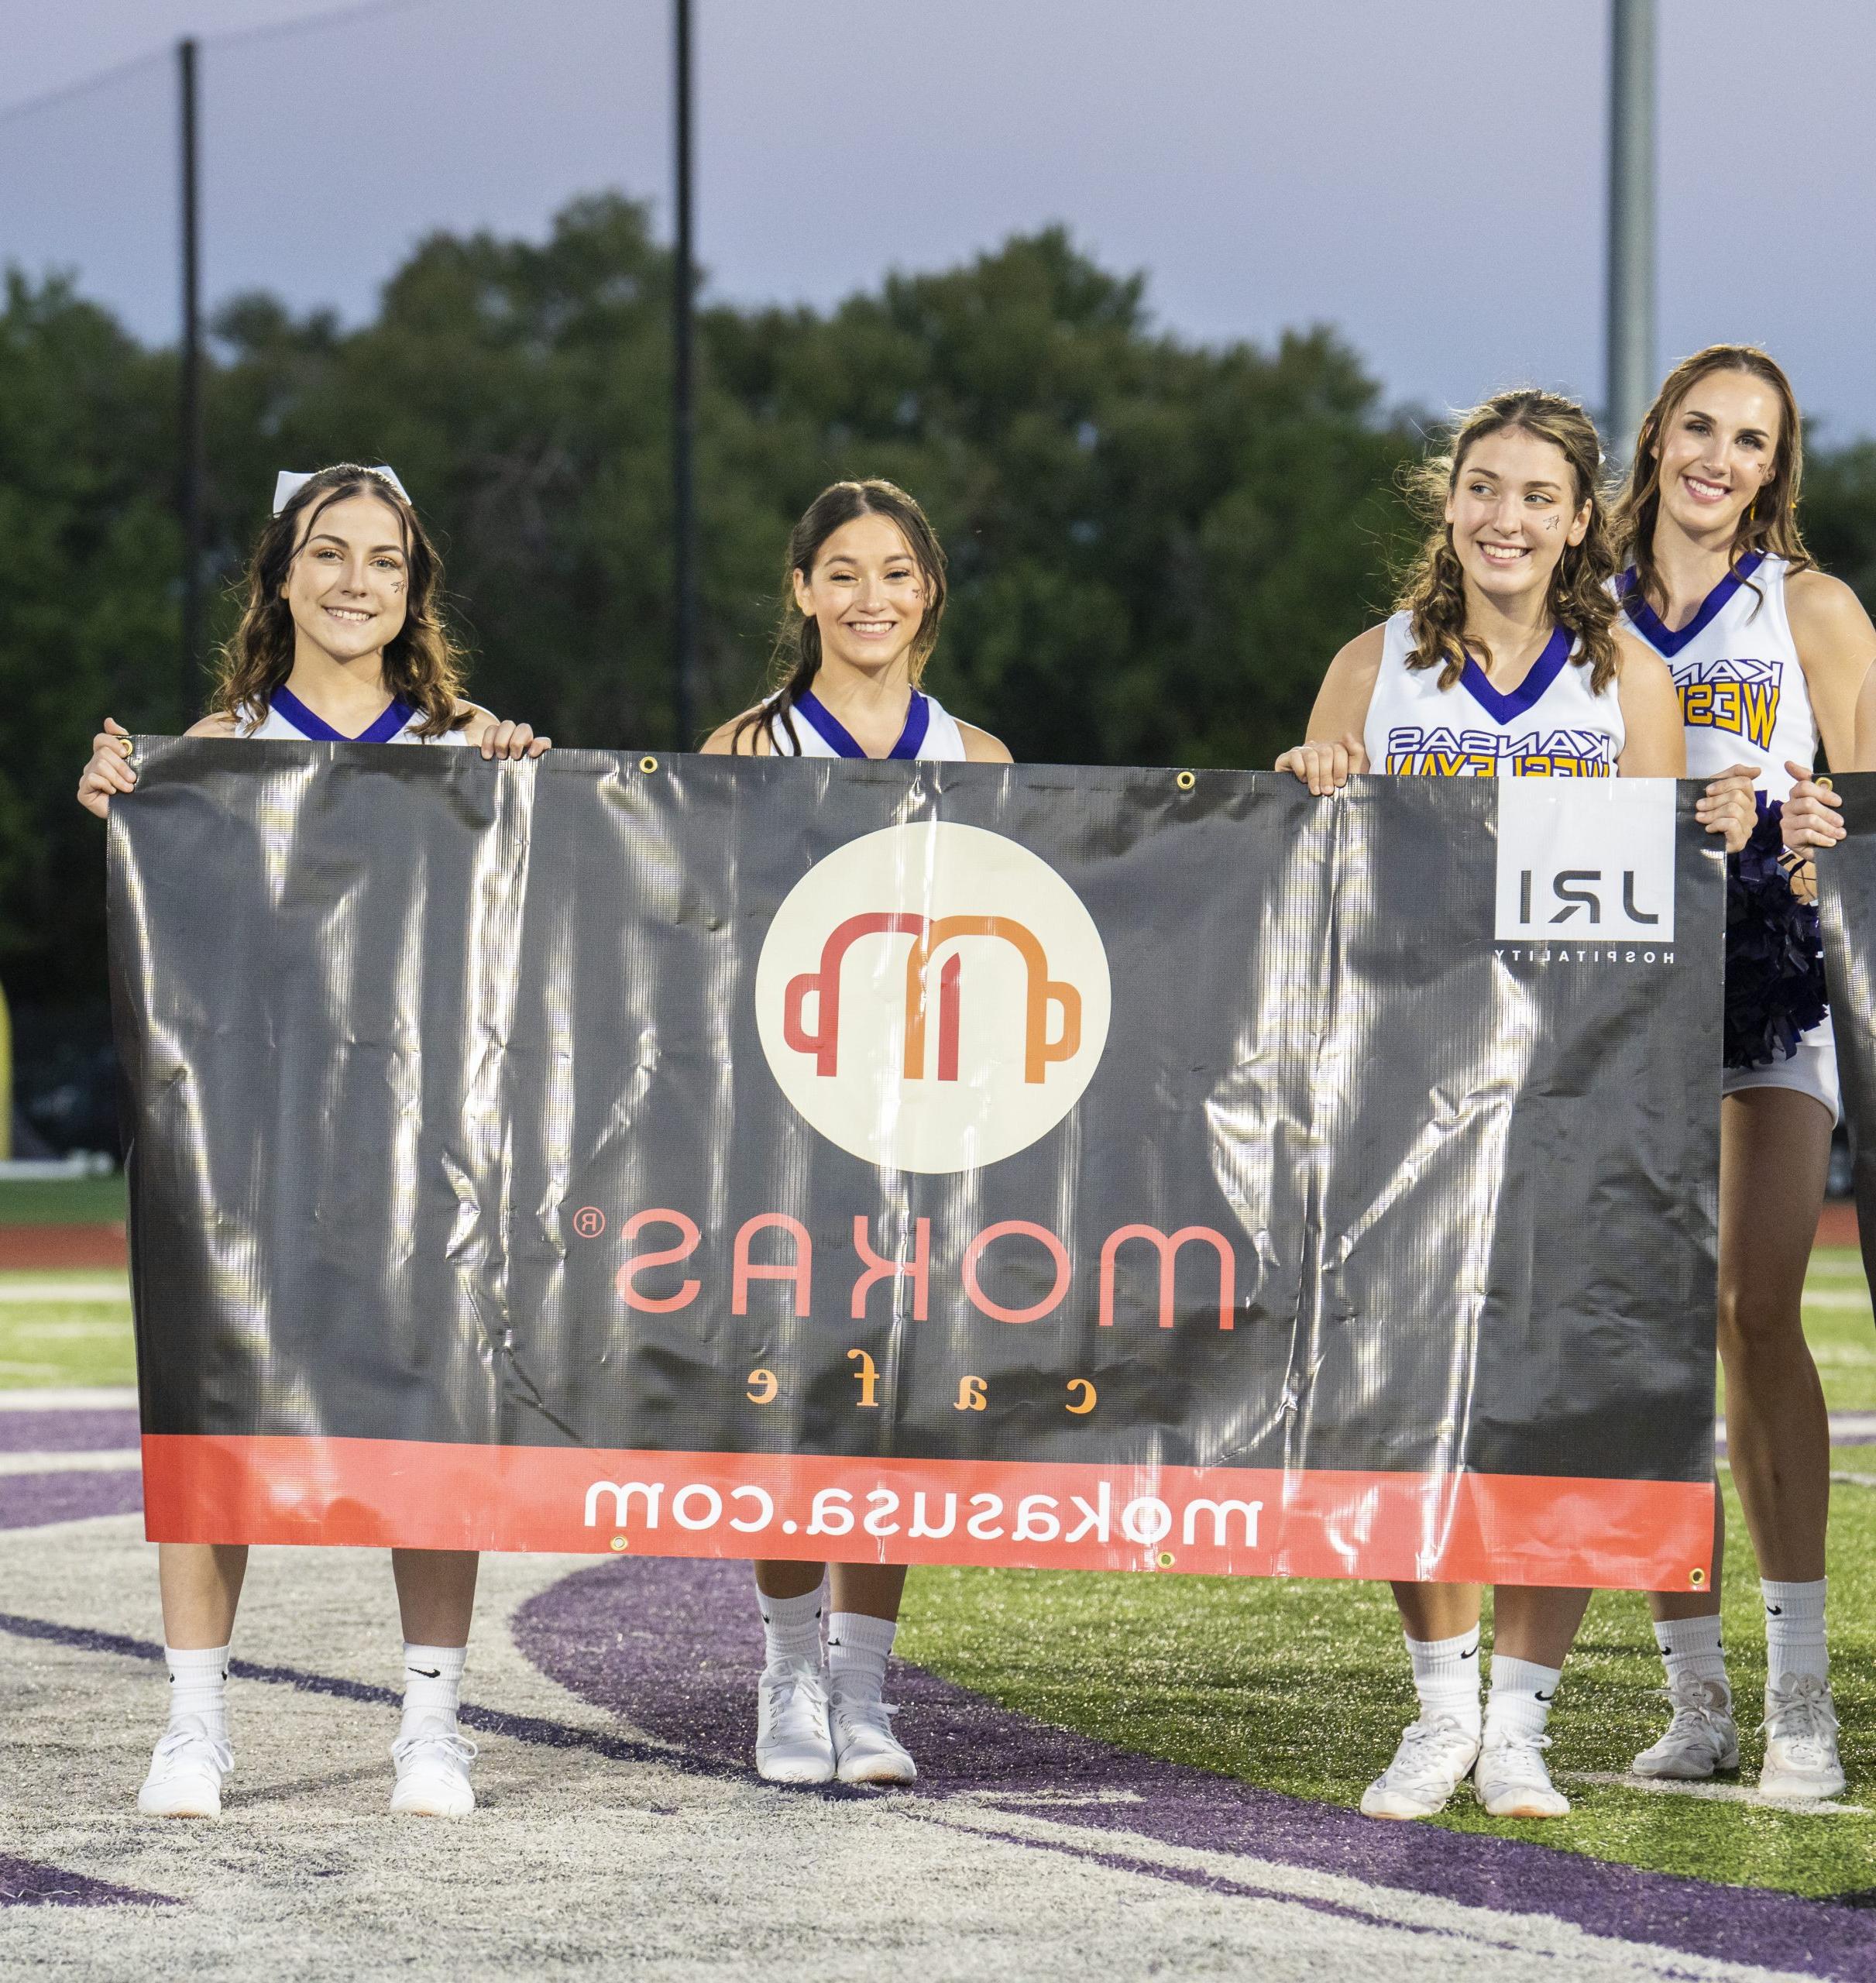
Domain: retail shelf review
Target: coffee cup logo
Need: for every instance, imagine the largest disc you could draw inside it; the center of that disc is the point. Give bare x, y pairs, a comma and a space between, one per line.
932, 997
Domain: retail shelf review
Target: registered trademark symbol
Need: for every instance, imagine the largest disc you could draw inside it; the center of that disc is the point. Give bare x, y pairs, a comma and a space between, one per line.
589, 1221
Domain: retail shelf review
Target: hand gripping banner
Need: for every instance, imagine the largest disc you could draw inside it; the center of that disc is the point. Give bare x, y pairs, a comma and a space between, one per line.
1082, 1168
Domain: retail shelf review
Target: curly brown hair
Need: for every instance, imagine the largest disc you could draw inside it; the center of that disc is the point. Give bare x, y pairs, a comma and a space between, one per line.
423, 664
1770, 524
1434, 588
797, 657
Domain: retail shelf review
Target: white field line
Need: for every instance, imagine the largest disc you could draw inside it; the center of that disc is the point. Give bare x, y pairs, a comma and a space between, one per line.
121, 1459
1854, 1480
66, 1294
1718, 1793
1857, 1298
72, 1397
1482, 1938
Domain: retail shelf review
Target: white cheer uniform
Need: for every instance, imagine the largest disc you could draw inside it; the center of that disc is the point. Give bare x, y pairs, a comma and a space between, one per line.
1744, 699
930, 731
287, 717
1551, 725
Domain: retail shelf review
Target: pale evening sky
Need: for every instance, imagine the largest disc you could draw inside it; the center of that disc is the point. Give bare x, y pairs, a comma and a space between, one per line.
1428, 176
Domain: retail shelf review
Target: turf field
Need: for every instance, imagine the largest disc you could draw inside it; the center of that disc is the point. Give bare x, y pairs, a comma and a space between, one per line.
1100, 1756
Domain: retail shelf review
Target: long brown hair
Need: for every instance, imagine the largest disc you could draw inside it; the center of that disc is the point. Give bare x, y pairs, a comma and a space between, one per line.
423, 664
797, 657
1770, 523
1435, 588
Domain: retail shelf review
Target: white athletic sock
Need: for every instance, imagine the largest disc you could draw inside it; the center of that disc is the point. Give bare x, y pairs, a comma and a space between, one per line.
1446, 1677
791, 1630
432, 1679
1690, 1650
1794, 1631
1519, 1702
857, 1649
198, 1688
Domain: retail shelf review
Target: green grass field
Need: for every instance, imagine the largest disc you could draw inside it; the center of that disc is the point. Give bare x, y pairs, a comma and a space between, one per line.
1303, 1687
64, 1201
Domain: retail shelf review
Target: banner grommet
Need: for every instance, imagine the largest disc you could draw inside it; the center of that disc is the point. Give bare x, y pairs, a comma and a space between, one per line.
1186, 780
647, 764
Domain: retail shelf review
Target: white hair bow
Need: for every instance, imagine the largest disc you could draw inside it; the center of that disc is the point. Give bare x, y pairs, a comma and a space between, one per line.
287, 485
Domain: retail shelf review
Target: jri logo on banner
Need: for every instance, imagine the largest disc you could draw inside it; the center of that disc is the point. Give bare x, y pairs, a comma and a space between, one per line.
932, 997
1583, 861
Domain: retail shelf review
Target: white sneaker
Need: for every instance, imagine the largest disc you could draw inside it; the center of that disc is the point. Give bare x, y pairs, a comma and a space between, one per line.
864, 1742
185, 1774
1701, 1737
1801, 1741
793, 1743
1512, 1780
433, 1778
1428, 1767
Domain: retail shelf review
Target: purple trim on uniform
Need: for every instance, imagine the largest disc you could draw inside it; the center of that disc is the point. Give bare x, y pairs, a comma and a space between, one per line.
31, 1500
26, 1883
673, 1647
316, 729
918, 720
1503, 706
839, 740
1670, 641
90, 1430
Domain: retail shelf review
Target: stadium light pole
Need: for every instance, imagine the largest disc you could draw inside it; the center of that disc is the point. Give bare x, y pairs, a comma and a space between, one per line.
190, 410
1629, 378
683, 387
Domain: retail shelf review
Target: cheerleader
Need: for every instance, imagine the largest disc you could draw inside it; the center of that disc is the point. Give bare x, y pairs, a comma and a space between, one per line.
1768, 655
1506, 632
342, 641
864, 591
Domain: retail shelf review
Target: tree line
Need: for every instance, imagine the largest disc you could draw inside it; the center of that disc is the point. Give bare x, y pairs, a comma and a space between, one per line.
1155, 546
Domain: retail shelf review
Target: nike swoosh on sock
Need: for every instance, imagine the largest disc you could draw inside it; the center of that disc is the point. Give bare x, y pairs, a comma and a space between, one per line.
1546, 1697
1774, 1611
426, 1673
1472, 1655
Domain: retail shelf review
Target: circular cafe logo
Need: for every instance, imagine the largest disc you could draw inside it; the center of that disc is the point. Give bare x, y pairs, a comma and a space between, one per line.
932, 997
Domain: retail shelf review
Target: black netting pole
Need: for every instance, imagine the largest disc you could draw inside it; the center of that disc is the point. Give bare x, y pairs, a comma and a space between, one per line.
684, 419
190, 410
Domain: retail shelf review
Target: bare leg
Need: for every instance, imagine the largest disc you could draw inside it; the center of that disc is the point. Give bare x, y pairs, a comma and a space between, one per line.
1774, 1154
201, 1582
874, 1588
436, 1594
1437, 1610
788, 1578
1535, 1622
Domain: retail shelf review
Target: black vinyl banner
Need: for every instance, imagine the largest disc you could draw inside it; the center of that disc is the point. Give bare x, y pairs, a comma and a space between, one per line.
1846, 906
888, 1161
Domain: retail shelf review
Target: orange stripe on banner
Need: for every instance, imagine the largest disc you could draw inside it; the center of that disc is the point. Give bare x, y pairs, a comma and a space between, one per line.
1502, 1528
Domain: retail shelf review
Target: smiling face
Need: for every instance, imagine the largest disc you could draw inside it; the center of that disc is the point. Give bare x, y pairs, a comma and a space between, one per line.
1718, 447
348, 586
866, 593
1513, 510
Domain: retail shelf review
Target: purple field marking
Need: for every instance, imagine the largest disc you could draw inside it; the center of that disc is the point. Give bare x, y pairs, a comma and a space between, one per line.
673, 1645
89, 1430
32, 1500
26, 1883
